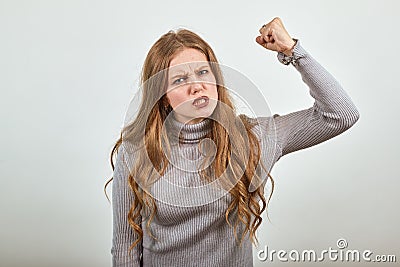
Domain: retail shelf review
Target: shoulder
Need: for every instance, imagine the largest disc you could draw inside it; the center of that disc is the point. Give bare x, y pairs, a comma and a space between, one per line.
264, 129
259, 125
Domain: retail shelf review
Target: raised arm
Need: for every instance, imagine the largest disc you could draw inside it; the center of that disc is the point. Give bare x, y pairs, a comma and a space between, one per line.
123, 234
332, 113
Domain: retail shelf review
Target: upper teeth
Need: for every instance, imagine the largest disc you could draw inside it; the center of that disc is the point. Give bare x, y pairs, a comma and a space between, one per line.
200, 101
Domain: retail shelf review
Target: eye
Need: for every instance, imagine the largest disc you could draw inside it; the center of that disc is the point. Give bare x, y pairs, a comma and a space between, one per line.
179, 80
202, 72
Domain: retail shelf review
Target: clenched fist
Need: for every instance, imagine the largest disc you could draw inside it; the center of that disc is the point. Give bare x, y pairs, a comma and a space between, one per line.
273, 36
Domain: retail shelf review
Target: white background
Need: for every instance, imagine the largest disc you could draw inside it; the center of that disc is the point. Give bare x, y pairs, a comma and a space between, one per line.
69, 69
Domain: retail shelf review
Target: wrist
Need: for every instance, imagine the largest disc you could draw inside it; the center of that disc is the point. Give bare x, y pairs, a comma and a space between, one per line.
289, 51
297, 53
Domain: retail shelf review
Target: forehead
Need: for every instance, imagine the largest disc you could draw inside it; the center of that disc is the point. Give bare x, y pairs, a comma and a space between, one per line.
187, 55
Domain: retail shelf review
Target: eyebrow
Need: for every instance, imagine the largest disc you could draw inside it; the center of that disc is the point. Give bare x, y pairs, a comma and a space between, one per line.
184, 73
178, 75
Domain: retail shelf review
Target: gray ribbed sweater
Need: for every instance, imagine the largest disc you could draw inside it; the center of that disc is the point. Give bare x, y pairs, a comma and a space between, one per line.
199, 235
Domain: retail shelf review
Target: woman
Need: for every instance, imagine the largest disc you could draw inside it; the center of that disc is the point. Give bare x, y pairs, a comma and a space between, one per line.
165, 213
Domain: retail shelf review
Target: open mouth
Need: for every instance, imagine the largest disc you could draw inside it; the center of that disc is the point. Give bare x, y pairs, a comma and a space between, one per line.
201, 101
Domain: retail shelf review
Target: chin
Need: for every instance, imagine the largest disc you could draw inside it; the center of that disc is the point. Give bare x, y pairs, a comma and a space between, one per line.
206, 113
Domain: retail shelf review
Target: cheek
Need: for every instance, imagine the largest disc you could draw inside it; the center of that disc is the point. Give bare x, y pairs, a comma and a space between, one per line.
214, 92
175, 98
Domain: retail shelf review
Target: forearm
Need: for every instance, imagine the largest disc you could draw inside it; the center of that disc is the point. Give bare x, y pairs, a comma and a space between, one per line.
329, 96
332, 113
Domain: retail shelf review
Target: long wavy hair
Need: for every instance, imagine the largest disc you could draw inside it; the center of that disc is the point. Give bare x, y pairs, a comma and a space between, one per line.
239, 165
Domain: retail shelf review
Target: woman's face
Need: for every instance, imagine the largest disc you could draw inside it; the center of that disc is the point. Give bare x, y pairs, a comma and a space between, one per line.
192, 90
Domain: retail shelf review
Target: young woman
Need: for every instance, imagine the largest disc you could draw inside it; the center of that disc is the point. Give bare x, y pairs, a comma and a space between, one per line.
190, 173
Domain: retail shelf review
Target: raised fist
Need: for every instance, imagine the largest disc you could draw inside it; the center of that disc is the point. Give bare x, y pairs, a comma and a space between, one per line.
273, 36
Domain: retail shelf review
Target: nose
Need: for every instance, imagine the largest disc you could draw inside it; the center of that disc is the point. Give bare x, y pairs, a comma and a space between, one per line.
195, 88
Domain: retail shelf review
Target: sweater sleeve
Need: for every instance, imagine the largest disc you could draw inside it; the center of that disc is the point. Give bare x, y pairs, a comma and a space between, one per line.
123, 234
332, 113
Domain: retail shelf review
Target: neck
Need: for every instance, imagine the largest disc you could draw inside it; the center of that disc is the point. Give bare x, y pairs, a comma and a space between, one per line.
189, 132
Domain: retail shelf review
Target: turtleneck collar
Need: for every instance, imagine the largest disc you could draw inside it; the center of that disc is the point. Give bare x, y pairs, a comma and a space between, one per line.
189, 133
